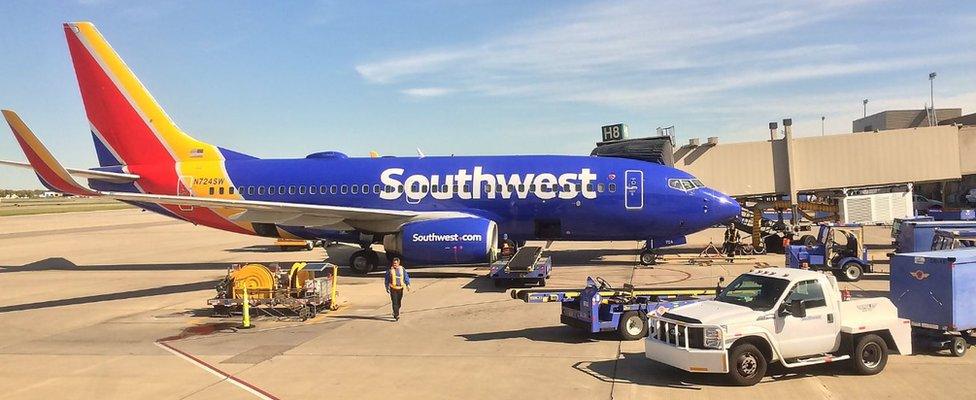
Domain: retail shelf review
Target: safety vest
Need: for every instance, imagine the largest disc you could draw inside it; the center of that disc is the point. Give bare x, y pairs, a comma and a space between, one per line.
396, 278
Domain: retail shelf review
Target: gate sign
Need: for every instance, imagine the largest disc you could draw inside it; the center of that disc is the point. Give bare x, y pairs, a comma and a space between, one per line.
614, 132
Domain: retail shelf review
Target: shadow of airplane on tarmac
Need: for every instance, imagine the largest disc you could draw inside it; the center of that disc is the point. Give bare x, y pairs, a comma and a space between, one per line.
63, 264
130, 294
554, 334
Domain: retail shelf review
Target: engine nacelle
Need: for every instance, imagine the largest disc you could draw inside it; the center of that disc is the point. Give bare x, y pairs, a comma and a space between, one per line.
462, 240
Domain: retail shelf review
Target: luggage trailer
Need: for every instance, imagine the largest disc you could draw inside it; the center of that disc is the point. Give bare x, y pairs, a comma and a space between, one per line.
526, 266
601, 308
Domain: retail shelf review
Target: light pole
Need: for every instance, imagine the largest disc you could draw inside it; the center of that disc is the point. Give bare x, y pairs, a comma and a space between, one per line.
865, 103
822, 121
935, 119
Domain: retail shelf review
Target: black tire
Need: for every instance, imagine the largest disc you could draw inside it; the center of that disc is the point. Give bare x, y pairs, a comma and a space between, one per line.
808, 240
362, 262
309, 246
870, 355
632, 326
851, 271
747, 365
647, 257
958, 346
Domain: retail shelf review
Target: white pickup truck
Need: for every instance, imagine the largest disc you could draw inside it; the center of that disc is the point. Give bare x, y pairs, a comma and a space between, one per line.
795, 317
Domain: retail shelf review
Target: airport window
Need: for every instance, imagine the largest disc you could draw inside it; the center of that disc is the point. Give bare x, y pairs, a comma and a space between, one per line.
281, 190
376, 189
211, 191
613, 187
354, 189
332, 189
599, 187
344, 189
260, 190
311, 189
301, 189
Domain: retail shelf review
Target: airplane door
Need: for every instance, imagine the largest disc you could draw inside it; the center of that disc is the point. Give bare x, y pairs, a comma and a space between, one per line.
634, 189
183, 189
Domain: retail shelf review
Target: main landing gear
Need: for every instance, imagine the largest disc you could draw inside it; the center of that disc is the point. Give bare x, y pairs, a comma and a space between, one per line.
363, 262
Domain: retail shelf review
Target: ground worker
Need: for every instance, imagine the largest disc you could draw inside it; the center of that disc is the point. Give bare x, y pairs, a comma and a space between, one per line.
397, 279
507, 251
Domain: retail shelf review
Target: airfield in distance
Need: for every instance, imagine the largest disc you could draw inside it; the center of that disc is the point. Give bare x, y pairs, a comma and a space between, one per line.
87, 295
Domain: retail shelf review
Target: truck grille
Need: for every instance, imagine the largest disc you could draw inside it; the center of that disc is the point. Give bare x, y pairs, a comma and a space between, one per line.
678, 334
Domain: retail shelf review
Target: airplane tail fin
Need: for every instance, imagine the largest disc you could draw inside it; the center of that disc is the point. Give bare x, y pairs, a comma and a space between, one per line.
127, 124
48, 169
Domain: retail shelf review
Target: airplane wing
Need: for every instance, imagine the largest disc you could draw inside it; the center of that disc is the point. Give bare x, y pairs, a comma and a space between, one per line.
112, 177
55, 176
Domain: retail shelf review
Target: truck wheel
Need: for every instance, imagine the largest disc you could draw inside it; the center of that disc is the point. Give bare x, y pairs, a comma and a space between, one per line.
747, 365
852, 271
870, 355
958, 346
648, 257
362, 262
632, 326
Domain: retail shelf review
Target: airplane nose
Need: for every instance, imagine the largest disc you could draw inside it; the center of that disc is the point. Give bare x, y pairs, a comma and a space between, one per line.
719, 207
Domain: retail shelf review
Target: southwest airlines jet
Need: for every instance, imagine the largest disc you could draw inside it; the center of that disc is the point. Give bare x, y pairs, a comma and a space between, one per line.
428, 210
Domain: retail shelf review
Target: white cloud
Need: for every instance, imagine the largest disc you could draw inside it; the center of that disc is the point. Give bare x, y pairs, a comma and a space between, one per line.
426, 91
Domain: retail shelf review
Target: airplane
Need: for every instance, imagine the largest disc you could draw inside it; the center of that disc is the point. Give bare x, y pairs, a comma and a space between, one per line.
428, 210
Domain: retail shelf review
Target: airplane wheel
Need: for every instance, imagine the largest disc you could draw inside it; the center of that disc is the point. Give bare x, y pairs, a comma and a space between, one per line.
362, 262
647, 257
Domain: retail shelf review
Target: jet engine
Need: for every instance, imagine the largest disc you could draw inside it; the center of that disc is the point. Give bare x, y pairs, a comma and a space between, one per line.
462, 240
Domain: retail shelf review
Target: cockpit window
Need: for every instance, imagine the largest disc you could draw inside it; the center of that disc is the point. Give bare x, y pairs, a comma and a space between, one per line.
684, 184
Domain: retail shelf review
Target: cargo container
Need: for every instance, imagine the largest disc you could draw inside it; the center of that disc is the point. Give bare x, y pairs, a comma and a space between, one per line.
917, 235
934, 289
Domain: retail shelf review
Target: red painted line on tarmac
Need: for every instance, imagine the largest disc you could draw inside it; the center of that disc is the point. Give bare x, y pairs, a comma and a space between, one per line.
216, 371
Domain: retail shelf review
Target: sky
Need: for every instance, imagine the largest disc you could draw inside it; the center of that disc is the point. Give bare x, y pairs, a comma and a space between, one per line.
285, 79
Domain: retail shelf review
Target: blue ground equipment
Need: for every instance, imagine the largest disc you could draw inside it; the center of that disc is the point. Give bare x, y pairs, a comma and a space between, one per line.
949, 239
952, 215
838, 248
917, 236
601, 308
934, 289
526, 266
896, 225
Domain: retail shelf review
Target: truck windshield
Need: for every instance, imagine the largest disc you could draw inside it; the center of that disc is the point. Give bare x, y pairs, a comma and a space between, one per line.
756, 292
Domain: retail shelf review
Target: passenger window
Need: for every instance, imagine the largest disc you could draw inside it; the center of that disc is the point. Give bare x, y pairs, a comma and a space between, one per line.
487, 188
291, 190
599, 187
521, 187
389, 188
612, 187
467, 188
271, 190
423, 188
281, 190
311, 189
211, 191
809, 292
323, 189
511, 188
376, 188
579, 187
567, 188
250, 190
589, 187
231, 190
365, 189
544, 188
221, 190
400, 188
344, 189
435, 188
354, 189
415, 187
260, 190
301, 189
498, 187
332, 189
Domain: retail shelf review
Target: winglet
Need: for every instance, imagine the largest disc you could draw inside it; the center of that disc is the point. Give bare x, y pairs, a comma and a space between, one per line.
51, 173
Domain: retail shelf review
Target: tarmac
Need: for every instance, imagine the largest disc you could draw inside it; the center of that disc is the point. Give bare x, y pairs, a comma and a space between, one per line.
112, 304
